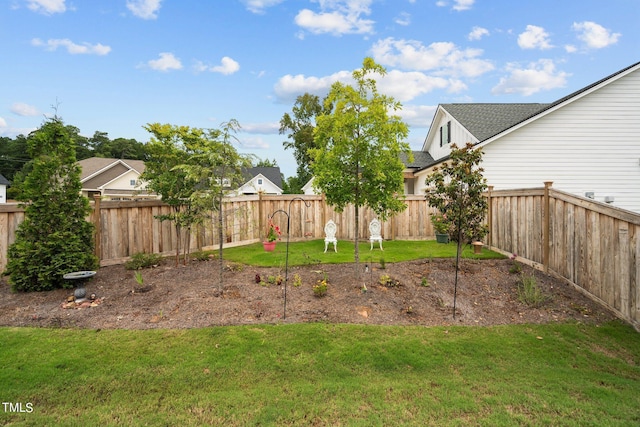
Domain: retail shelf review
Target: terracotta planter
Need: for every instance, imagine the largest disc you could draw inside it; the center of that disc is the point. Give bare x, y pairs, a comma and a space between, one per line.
269, 246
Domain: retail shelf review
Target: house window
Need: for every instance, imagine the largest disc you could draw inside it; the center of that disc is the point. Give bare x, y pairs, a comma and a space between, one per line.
445, 134
259, 181
132, 182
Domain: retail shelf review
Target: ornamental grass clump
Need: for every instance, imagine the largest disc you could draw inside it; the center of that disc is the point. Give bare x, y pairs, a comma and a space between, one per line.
529, 292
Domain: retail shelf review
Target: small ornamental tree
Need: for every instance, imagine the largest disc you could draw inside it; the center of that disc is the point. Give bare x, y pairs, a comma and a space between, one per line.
167, 150
359, 140
55, 237
216, 167
455, 189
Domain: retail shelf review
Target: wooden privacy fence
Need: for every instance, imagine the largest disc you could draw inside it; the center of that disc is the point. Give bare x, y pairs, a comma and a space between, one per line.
592, 245
124, 228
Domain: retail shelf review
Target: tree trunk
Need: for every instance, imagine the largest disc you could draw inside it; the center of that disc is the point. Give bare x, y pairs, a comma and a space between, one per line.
220, 242
357, 239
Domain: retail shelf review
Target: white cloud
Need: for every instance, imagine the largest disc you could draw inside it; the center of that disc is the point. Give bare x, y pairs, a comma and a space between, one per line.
47, 7
442, 58
417, 116
463, 4
269, 128
289, 87
259, 6
537, 76
458, 5
337, 17
403, 19
534, 37
254, 143
3, 123
166, 62
595, 36
477, 33
22, 109
570, 48
72, 48
227, 66
403, 86
145, 9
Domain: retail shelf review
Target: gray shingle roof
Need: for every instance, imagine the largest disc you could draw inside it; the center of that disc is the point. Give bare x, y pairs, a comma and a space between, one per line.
487, 120
272, 174
4, 181
421, 159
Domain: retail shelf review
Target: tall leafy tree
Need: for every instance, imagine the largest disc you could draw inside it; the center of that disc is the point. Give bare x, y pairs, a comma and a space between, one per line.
359, 144
13, 155
119, 148
299, 127
167, 149
215, 164
54, 237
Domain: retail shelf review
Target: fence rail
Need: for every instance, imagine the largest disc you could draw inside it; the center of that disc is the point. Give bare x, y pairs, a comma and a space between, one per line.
594, 246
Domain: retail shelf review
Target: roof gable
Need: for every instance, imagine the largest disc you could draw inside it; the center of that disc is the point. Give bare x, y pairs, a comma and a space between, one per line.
270, 173
93, 166
486, 120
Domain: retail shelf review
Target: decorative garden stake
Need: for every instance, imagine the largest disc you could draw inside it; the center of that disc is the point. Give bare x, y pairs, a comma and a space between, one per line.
286, 263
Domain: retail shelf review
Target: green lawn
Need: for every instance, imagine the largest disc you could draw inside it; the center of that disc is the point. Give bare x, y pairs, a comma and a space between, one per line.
325, 375
312, 252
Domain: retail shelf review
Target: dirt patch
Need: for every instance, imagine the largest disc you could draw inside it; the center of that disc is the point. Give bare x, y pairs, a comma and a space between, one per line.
408, 293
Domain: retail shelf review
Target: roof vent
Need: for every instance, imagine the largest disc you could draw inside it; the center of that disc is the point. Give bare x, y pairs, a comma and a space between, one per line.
609, 199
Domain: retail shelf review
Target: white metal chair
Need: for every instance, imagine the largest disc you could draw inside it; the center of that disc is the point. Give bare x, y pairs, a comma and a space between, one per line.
375, 231
330, 235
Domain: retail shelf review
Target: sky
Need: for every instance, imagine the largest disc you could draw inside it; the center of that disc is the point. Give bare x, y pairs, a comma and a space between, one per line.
116, 65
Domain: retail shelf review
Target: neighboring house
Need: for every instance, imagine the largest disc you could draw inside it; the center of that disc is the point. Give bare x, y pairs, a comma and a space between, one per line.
264, 180
112, 178
420, 161
308, 188
587, 143
4, 183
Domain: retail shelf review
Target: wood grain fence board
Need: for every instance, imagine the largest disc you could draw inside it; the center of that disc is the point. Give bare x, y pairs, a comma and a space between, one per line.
606, 225
624, 273
572, 245
635, 284
4, 238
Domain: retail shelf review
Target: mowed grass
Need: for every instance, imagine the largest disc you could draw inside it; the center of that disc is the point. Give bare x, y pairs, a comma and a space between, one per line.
312, 252
324, 375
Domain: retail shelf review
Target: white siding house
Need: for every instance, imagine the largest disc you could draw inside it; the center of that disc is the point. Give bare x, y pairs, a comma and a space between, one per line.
4, 182
586, 143
264, 180
112, 178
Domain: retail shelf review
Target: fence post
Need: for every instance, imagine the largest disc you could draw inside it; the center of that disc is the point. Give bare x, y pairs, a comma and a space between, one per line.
546, 224
261, 224
97, 225
490, 216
